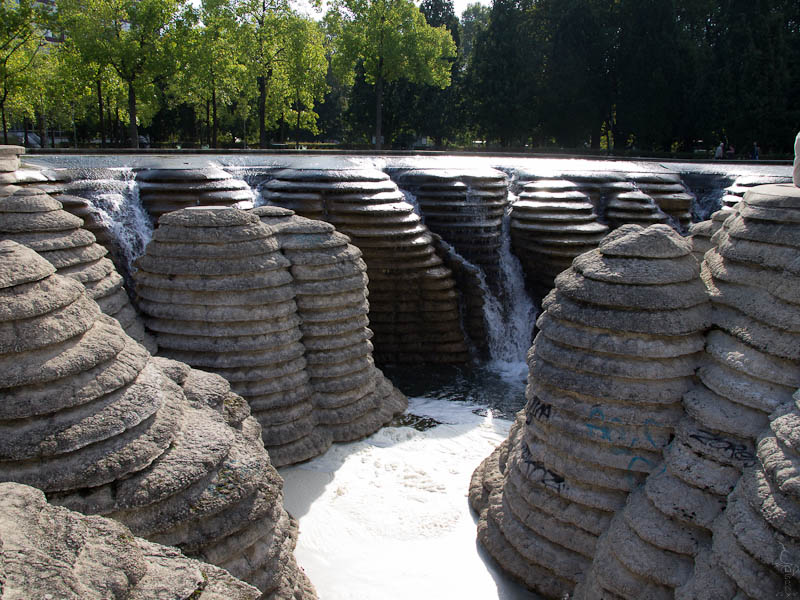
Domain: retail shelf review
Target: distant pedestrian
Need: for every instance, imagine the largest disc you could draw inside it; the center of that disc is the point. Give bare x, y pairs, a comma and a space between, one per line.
720, 152
756, 151
730, 152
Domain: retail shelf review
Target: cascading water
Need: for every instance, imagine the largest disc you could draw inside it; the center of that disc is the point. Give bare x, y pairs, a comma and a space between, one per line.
116, 205
511, 321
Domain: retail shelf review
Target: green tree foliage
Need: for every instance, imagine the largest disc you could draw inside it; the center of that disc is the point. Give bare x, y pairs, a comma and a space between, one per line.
392, 41
133, 36
21, 39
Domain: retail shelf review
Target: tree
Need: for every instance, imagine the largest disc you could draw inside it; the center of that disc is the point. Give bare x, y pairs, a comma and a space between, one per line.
130, 35
20, 42
392, 41
210, 70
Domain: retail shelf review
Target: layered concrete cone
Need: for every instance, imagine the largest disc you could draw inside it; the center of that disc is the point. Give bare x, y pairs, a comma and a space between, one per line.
750, 368
414, 308
166, 190
552, 222
218, 293
755, 547
9, 164
669, 194
31, 217
466, 208
350, 396
633, 207
52, 552
617, 347
91, 419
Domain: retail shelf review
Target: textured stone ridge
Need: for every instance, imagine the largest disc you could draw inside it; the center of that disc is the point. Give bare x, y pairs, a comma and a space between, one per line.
413, 297
755, 549
465, 207
282, 317
166, 190
552, 222
31, 217
616, 349
90, 418
51, 552
749, 369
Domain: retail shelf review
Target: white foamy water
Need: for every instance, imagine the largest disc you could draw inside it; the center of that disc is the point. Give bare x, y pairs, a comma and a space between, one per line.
387, 518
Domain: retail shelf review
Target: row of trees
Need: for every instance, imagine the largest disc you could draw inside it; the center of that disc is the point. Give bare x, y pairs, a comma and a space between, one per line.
616, 75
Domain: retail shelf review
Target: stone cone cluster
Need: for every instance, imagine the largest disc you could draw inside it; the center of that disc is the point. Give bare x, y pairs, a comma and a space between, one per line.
166, 190
669, 194
552, 222
280, 312
616, 349
750, 368
91, 419
413, 297
51, 552
755, 549
31, 217
466, 208
350, 396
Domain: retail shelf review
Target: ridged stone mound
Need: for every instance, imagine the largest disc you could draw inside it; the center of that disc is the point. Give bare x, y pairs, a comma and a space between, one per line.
91, 419
413, 298
219, 293
669, 194
50, 552
750, 368
552, 222
755, 549
465, 207
166, 190
350, 396
31, 217
633, 207
617, 347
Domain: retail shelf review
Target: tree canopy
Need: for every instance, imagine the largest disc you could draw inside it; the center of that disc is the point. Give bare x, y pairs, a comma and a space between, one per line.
616, 76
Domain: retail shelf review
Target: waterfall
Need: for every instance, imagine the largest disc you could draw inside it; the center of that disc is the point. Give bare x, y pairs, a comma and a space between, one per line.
116, 205
510, 319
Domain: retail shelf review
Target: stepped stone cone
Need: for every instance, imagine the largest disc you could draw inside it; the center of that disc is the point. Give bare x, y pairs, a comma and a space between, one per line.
282, 317
91, 419
81, 208
166, 190
750, 368
552, 222
736, 191
466, 208
616, 350
669, 194
413, 298
633, 207
9, 163
51, 552
31, 217
755, 548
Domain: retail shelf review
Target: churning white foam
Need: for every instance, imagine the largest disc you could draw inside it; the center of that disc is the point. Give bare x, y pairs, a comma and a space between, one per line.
387, 517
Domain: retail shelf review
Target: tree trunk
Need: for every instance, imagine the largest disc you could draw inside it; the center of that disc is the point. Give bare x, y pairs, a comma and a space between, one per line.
100, 113
378, 109
297, 127
214, 126
26, 126
207, 136
262, 112
133, 130
42, 132
5, 127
